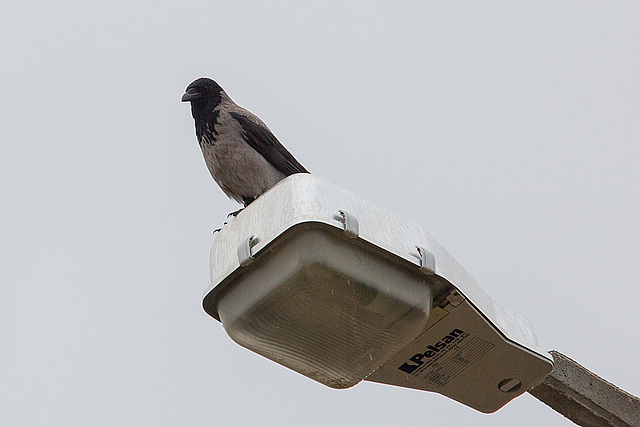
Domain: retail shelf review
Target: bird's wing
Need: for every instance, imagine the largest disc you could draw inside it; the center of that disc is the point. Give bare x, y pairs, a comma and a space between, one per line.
260, 138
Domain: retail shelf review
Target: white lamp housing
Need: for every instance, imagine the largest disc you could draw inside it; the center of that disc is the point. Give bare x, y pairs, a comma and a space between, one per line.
325, 283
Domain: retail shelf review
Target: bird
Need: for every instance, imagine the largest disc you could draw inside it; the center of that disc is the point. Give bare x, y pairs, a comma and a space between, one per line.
243, 156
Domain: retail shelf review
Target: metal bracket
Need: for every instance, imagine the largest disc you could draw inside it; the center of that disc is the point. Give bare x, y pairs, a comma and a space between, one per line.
351, 226
427, 261
455, 298
244, 251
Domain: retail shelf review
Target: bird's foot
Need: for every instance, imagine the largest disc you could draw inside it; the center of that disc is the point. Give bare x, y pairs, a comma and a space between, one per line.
235, 213
217, 230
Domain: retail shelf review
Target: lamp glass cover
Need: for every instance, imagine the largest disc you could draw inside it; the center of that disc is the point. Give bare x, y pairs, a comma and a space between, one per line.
324, 306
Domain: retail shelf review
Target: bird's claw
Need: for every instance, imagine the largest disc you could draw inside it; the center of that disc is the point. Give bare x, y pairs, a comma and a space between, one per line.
217, 230
235, 213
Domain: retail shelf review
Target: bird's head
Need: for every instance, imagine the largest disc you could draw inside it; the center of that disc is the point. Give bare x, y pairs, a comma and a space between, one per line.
204, 95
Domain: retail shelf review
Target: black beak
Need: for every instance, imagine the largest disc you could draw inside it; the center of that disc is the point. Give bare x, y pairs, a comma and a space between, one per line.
191, 94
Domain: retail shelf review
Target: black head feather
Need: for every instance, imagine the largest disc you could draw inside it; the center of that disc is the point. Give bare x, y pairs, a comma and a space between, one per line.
201, 89
205, 95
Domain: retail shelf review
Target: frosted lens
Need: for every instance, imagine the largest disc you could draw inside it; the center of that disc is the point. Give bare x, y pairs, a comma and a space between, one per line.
328, 327
321, 321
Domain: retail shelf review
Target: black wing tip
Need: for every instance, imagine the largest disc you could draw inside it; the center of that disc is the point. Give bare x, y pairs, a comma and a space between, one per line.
261, 139
302, 169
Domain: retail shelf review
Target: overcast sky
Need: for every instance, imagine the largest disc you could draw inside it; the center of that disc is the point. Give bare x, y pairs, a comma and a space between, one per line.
509, 130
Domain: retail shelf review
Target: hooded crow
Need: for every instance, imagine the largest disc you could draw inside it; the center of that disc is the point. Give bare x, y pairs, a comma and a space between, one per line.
242, 154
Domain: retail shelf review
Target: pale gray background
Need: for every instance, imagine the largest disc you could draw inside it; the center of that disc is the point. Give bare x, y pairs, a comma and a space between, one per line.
509, 130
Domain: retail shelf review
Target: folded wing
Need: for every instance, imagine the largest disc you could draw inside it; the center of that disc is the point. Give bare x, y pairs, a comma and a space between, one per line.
261, 139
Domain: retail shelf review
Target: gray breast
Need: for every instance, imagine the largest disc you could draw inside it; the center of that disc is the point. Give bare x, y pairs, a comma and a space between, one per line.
240, 171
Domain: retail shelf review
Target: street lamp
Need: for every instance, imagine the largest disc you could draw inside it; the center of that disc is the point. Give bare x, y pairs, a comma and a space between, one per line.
325, 283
